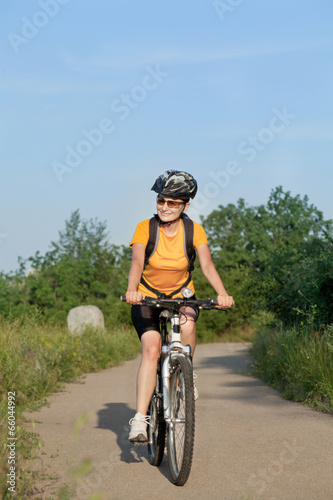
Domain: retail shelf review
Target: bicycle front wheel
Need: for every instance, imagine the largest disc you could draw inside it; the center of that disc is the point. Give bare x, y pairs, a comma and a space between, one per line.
156, 429
180, 438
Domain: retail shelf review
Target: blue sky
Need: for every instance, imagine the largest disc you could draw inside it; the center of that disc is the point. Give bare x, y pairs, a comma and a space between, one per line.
99, 98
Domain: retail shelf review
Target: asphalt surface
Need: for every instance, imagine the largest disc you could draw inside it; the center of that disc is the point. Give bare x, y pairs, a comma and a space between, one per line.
249, 443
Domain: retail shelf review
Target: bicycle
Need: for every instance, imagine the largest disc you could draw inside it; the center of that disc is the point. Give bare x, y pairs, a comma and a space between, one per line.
172, 407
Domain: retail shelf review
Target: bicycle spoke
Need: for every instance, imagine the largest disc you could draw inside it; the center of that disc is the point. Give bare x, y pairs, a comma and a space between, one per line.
178, 412
181, 425
156, 431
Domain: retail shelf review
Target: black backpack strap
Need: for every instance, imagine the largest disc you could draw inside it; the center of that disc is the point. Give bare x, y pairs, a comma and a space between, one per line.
188, 233
154, 234
164, 295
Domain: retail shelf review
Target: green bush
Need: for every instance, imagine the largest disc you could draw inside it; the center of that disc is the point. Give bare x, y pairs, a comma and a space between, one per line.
36, 360
273, 258
297, 362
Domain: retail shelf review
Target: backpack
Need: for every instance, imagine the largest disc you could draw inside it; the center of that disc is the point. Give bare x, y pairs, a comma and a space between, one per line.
154, 233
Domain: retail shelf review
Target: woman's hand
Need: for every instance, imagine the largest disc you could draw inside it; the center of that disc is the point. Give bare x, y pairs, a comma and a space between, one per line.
225, 300
133, 298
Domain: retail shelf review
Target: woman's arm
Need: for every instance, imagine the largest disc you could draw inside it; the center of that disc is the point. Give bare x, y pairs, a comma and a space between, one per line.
210, 273
138, 259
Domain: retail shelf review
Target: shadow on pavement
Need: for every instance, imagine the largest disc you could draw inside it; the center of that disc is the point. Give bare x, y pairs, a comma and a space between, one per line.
248, 389
235, 363
115, 417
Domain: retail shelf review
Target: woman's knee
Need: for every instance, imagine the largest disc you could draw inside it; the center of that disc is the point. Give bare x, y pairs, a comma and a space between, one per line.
189, 328
151, 347
191, 315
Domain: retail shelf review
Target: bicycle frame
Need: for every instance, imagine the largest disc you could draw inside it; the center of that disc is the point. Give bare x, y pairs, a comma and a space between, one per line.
167, 353
172, 405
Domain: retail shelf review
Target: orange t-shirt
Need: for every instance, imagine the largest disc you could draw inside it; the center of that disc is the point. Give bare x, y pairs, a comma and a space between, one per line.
167, 267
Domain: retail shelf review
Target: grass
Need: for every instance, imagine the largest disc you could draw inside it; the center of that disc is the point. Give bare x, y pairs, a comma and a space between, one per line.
35, 361
297, 362
236, 334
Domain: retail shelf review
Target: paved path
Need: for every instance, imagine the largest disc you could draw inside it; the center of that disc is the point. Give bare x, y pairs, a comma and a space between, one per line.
250, 444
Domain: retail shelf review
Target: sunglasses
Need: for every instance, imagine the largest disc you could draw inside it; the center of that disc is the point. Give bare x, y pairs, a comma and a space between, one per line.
170, 203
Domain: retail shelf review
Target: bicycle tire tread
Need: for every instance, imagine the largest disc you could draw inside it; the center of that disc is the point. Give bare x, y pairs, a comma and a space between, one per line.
179, 478
156, 449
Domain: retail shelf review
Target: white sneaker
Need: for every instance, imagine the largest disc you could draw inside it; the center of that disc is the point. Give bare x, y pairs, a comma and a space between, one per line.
138, 432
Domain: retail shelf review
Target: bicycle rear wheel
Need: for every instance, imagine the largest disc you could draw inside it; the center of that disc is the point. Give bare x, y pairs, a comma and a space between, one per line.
180, 434
156, 429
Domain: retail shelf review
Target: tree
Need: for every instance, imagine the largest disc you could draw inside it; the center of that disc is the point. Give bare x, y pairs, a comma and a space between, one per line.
259, 248
82, 267
274, 258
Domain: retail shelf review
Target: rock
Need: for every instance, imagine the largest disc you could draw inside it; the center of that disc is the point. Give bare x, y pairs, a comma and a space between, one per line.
80, 316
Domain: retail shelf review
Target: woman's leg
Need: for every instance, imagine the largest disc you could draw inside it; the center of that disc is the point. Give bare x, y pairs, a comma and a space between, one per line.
188, 329
189, 336
146, 377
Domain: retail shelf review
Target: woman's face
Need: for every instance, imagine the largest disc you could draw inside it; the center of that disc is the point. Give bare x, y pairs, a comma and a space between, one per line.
169, 213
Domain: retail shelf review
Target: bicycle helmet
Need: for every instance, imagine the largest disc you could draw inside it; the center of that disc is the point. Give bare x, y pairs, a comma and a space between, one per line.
176, 183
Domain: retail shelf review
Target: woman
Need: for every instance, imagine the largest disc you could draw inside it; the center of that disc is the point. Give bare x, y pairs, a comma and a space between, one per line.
166, 272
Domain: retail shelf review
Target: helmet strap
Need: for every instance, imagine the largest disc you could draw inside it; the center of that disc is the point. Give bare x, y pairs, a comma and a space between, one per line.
168, 223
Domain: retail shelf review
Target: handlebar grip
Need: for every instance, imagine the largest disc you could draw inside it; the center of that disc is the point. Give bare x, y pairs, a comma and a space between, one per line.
123, 298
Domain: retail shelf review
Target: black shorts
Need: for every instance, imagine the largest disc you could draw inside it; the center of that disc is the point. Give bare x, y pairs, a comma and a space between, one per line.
146, 318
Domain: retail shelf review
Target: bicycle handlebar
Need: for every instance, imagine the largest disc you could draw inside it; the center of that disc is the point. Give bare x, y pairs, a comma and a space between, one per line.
178, 303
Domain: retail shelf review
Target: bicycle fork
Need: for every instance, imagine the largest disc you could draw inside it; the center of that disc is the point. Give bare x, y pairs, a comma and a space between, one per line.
168, 353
